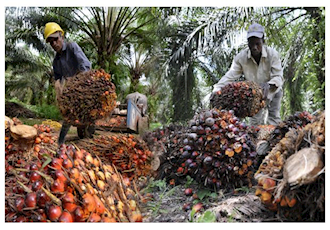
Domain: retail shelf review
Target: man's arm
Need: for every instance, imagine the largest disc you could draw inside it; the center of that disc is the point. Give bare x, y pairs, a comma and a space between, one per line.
276, 71
276, 75
233, 74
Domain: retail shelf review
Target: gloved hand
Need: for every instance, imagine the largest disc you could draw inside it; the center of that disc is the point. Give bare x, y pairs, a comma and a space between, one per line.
265, 90
59, 85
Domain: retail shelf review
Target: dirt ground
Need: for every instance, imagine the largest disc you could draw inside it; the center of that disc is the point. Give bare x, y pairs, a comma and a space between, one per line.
170, 204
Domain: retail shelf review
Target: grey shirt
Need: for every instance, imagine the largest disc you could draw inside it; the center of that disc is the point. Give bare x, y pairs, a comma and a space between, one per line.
71, 61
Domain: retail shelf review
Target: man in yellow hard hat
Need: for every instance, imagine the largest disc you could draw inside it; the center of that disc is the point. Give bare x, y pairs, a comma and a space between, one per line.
69, 60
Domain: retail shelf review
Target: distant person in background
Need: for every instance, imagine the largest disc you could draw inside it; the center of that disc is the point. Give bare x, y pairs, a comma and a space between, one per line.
140, 100
261, 64
69, 61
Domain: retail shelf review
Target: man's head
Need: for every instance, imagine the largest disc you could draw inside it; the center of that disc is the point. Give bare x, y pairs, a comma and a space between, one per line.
54, 36
255, 36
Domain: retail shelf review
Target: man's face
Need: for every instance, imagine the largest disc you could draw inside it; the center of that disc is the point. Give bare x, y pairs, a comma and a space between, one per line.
56, 42
255, 45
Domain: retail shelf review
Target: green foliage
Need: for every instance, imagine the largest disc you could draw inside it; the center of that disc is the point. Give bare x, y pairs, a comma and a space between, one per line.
155, 206
298, 33
205, 194
158, 185
243, 189
46, 111
43, 111
207, 217
154, 126
189, 181
176, 49
154, 185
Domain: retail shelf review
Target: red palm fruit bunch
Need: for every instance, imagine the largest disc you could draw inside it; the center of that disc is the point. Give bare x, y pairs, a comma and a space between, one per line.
66, 185
45, 135
128, 153
245, 98
291, 178
87, 96
271, 135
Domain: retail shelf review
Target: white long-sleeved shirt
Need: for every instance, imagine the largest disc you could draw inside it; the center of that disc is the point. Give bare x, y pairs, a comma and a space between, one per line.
269, 69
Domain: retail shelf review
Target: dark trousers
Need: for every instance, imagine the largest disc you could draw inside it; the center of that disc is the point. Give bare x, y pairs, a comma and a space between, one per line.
273, 109
83, 131
64, 131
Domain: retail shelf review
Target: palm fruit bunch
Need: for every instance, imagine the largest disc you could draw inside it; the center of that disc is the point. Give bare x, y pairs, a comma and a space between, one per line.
245, 98
87, 97
291, 178
66, 184
129, 154
52, 124
19, 138
165, 143
23, 139
221, 154
215, 150
273, 134
114, 121
296, 121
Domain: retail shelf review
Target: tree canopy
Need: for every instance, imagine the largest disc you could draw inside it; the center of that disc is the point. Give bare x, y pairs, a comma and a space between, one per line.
173, 55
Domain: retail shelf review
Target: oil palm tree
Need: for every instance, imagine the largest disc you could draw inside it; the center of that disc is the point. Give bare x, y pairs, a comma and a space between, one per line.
283, 26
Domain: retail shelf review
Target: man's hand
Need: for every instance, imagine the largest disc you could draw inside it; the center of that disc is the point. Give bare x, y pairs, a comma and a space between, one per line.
59, 86
265, 90
212, 97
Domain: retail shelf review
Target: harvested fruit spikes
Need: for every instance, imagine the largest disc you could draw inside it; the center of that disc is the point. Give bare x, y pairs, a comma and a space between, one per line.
245, 98
129, 154
285, 183
297, 121
87, 96
65, 194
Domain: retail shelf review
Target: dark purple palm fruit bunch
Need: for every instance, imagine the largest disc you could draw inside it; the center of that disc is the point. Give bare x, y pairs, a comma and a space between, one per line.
218, 152
245, 98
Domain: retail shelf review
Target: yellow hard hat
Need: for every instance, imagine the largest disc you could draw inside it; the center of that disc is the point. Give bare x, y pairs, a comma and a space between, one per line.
50, 28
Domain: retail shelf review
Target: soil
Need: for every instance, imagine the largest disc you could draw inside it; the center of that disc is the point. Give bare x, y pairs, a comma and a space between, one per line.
168, 205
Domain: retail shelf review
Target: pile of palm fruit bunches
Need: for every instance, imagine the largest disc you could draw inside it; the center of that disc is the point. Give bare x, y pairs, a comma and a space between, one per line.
87, 97
291, 178
216, 150
49, 183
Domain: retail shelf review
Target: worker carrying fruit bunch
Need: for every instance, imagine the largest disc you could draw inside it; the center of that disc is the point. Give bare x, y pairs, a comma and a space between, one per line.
69, 61
260, 64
